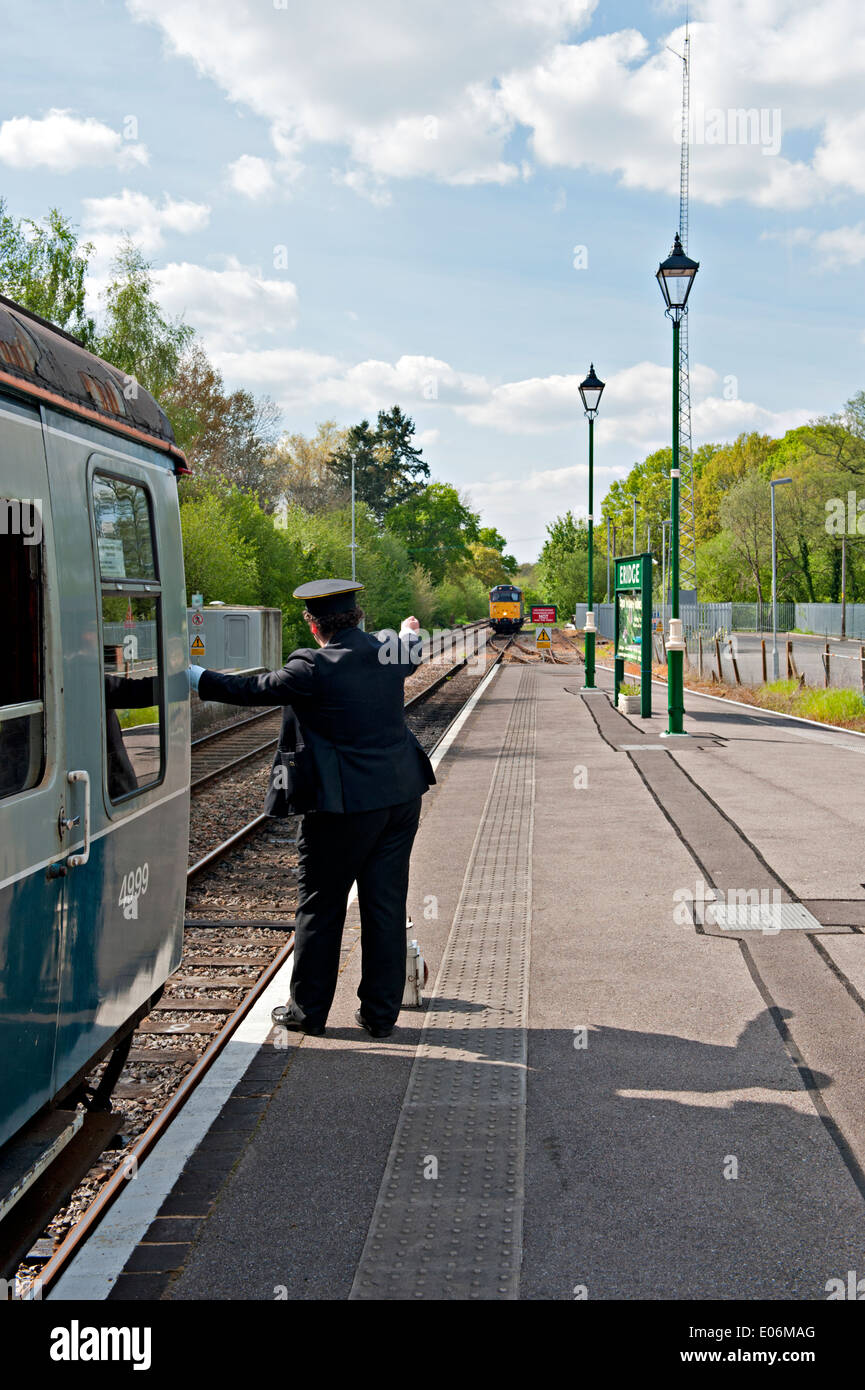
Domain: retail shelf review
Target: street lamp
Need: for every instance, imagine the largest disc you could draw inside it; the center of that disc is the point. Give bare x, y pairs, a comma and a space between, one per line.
675, 276
776, 482
591, 391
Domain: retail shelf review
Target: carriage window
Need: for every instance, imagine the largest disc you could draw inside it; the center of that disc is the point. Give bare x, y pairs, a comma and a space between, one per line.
22, 712
124, 533
130, 635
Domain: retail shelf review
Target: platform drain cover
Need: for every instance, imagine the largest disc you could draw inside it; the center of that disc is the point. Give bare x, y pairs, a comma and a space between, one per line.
767, 917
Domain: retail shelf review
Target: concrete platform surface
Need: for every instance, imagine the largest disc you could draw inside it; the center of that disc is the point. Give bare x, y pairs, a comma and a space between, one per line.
605, 1097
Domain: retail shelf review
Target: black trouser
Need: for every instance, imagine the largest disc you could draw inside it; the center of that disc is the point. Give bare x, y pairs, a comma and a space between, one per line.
372, 848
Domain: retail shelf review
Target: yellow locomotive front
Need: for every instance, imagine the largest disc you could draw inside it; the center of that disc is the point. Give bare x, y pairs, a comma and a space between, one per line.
506, 608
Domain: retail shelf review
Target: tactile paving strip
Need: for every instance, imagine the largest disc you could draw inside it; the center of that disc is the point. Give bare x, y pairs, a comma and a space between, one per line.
448, 1220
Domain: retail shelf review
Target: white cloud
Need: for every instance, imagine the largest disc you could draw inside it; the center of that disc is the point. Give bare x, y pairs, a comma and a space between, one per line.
300, 379
251, 176
62, 141
227, 307
438, 93
636, 409
377, 79
364, 184
106, 220
835, 248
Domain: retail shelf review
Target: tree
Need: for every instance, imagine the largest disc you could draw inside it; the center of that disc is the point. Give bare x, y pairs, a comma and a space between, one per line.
196, 404
750, 453
399, 456
306, 474
136, 338
43, 267
220, 564
437, 528
485, 564
745, 514
245, 454
488, 535
387, 466
563, 566
839, 440
649, 482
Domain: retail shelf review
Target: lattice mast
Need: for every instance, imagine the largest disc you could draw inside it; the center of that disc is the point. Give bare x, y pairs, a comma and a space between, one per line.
687, 540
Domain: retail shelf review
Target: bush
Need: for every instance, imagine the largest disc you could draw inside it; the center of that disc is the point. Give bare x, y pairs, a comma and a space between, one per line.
219, 563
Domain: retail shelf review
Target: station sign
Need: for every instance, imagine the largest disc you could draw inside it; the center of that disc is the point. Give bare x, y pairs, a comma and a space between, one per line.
544, 613
633, 624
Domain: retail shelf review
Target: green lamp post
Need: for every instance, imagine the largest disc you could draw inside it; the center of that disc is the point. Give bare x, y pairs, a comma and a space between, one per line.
675, 276
591, 391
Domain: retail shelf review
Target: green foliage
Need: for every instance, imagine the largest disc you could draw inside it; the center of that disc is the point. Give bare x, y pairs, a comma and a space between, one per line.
436, 528
220, 564
563, 567
461, 599
845, 707
43, 267
136, 338
720, 574
732, 510
388, 468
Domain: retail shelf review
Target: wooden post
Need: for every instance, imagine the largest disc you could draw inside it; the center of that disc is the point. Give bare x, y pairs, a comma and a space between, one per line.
826, 656
791, 665
763, 658
734, 661
862, 665
718, 659
700, 653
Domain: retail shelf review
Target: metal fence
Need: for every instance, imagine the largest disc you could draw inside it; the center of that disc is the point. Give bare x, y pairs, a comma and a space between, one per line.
710, 619
604, 618
825, 619
114, 633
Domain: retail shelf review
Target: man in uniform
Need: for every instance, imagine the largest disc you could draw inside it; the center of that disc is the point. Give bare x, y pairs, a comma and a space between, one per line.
349, 764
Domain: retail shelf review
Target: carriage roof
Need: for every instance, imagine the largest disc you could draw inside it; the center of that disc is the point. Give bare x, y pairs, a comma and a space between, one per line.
42, 361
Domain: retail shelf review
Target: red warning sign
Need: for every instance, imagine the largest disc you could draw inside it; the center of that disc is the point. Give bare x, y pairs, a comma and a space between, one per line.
544, 614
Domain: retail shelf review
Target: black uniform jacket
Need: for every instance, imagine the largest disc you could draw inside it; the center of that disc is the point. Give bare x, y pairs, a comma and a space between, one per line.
344, 744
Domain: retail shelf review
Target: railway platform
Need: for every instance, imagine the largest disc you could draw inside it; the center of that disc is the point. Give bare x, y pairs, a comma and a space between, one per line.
615, 1091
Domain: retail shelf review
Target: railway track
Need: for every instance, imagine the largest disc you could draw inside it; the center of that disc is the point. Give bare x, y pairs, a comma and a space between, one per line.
228, 961
215, 754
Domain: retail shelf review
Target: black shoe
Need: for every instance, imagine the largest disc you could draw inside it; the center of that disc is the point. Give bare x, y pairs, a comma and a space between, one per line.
283, 1017
373, 1031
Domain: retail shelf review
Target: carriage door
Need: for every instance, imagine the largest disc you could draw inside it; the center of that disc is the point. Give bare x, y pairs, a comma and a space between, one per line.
34, 809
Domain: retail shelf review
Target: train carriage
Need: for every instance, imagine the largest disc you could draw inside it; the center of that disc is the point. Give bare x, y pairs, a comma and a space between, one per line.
94, 713
506, 608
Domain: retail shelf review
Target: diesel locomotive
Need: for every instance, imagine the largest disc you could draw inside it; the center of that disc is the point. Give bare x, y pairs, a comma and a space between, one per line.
94, 722
506, 608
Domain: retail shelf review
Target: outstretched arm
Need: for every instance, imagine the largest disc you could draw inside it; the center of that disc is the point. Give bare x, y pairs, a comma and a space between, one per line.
294, 680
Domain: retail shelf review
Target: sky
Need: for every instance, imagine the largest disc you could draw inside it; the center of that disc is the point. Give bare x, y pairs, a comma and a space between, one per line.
457, 207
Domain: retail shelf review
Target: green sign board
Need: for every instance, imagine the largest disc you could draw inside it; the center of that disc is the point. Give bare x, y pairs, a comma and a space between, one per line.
634, 624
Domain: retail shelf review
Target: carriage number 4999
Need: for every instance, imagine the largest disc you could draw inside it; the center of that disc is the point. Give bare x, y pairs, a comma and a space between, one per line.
133, 887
